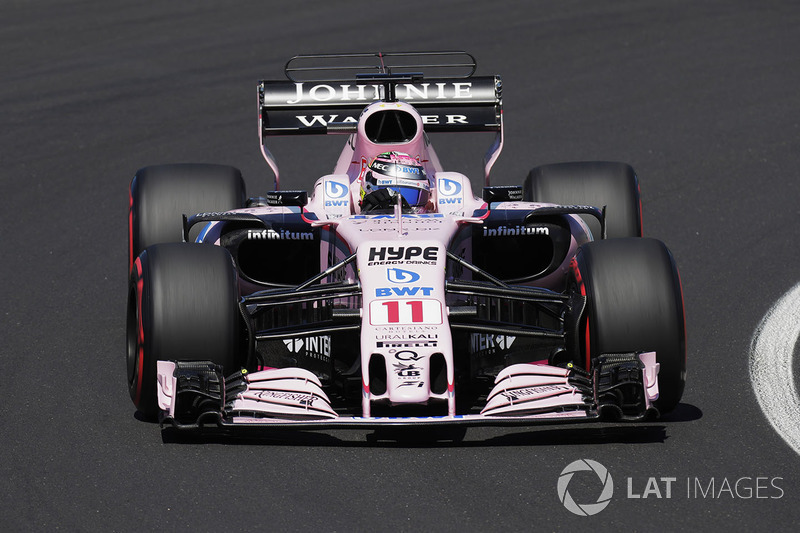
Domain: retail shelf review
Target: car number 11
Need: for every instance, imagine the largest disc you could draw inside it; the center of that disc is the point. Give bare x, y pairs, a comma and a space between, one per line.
400, 312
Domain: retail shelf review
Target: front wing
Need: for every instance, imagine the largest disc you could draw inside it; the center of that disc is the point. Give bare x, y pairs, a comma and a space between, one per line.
619, 387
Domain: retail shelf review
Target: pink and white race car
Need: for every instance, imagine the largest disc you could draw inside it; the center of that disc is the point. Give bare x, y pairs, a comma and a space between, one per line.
391, 294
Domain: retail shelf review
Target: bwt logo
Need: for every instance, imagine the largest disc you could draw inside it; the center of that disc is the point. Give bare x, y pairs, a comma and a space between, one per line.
449, 187
335, 190
585, 509
398, 275
403, 291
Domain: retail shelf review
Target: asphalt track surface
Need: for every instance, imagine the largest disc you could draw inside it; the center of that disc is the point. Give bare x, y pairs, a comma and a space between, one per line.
700, 97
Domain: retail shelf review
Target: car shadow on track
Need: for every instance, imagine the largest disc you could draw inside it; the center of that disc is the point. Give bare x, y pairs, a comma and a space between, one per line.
684, 412
438, 437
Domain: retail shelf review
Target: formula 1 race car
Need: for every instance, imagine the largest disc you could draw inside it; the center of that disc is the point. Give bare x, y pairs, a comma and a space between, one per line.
391, 294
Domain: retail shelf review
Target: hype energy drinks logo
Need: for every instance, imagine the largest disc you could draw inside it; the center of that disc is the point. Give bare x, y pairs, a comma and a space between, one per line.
586, 487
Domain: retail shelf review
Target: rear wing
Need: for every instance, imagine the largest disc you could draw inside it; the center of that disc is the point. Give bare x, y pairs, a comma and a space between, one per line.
326, 93
326, 88
289, 108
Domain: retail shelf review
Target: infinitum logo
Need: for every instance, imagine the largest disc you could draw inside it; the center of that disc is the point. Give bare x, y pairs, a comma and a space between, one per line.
585, 509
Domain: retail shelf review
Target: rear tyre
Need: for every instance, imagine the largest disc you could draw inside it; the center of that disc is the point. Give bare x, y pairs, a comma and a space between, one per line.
160, 194
596, 183
634, 303
182, 306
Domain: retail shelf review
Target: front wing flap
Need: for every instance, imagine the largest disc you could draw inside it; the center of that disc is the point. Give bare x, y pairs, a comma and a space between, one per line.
619, 387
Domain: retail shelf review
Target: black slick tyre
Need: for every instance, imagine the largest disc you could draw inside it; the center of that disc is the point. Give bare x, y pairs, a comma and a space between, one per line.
634, 303
182, 306
595, 183
160, 194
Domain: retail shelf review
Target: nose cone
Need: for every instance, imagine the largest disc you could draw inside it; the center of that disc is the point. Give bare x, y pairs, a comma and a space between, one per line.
408, 377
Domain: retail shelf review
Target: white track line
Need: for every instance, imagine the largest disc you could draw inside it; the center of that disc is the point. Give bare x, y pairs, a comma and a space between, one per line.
771, 367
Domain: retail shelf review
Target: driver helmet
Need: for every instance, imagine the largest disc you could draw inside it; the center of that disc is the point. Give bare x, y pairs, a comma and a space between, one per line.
400, 173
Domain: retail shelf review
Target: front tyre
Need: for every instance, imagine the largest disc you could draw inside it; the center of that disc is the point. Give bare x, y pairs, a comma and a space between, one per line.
182, 306
634, 303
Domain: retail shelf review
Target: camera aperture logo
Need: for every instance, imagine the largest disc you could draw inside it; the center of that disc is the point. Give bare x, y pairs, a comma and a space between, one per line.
585, 509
